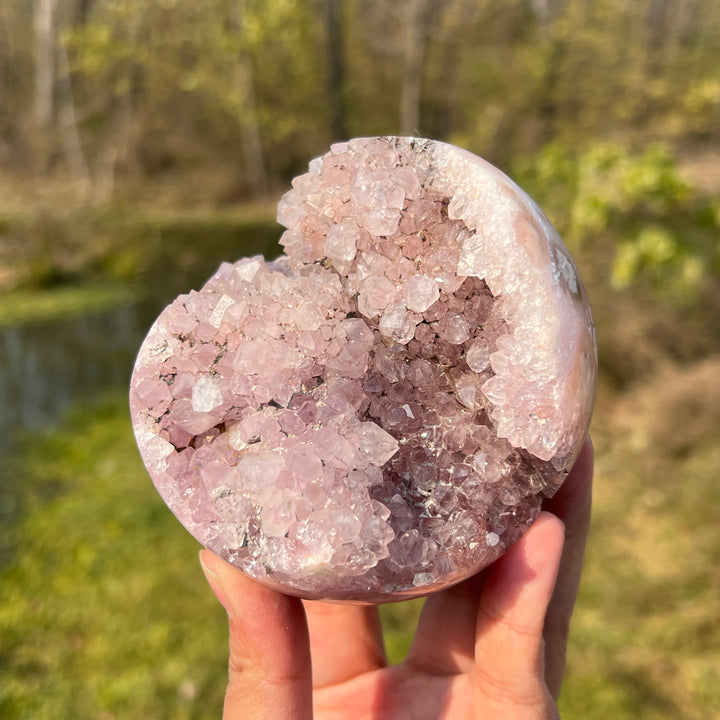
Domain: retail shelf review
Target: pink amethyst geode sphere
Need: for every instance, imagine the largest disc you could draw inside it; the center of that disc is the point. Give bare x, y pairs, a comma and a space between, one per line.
380, 412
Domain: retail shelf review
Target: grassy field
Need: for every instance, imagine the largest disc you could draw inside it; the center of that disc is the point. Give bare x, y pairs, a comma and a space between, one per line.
104, 612
101, 598
646, 634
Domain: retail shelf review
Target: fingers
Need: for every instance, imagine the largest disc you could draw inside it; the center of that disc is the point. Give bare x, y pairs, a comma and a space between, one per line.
572, 505
345, 640
444, 643
269, 669
509, 654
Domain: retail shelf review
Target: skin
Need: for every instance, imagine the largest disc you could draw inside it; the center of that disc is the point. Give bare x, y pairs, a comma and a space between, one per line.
490, 647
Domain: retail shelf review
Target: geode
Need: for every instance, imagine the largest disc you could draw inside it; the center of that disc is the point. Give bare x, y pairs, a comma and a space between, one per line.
380, 412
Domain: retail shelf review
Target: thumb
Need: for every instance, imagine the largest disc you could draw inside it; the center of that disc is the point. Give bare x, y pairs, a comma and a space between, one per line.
269, 669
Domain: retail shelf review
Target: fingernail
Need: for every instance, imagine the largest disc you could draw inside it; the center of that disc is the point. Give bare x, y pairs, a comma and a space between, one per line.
207, 558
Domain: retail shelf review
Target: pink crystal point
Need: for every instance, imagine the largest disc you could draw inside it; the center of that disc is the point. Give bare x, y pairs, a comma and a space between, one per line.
380, 412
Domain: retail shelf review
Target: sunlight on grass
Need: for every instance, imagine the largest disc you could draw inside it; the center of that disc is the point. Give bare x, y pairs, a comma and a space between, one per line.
103, 608
645, 639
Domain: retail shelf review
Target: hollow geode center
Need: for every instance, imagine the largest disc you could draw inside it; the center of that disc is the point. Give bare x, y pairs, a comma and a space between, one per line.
379, 412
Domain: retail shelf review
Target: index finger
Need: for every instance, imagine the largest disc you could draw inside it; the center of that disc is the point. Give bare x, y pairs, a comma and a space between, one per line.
269, 672
345, 641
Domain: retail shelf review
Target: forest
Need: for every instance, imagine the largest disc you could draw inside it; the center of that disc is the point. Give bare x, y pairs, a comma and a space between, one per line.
143, 142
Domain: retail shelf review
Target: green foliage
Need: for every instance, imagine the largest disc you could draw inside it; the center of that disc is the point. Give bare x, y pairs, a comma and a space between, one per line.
201, 73
636, 205
659, 255
585, 192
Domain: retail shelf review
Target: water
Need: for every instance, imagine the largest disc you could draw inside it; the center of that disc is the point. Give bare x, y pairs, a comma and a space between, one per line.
45, 366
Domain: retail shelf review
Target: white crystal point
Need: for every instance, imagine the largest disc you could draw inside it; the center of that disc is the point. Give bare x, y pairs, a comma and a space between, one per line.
376, 446
381, 411
206, 395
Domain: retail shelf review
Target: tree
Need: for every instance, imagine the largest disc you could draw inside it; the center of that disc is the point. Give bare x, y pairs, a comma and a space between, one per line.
415, 20
43, 101
70, 134
336, 67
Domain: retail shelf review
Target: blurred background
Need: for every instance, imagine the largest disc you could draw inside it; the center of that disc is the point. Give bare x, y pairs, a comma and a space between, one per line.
142, 142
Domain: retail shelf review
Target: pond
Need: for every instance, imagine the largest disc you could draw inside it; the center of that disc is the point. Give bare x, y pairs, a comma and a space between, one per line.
44, 366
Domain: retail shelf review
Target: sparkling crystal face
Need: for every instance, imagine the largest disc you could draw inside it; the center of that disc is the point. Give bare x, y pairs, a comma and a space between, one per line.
380, 412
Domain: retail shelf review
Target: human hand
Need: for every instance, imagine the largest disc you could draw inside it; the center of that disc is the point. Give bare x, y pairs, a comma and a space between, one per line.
491, 647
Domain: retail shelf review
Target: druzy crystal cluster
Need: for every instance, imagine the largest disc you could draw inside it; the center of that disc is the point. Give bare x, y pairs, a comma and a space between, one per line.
379, 412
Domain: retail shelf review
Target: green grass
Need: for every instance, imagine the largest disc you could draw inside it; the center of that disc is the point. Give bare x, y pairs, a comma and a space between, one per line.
104, 612
103, 608
24, 306
645, 640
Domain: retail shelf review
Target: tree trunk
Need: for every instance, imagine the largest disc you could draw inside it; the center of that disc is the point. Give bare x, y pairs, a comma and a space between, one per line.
43, 101
414, 53
250, 129
656, 21
336, 68
249, 126
82, 12
72, 144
